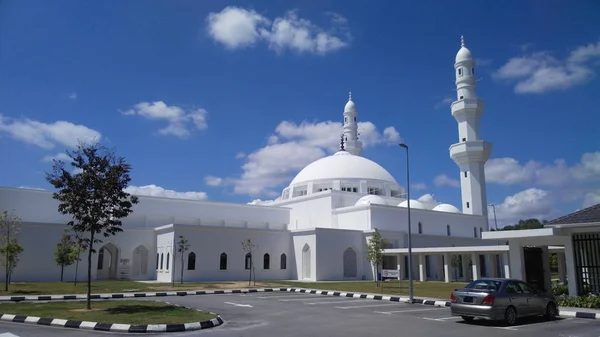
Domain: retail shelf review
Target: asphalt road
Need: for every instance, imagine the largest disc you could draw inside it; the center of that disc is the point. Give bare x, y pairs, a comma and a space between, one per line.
294, 314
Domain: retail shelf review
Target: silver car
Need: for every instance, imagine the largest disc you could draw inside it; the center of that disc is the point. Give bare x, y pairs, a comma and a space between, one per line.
501, 300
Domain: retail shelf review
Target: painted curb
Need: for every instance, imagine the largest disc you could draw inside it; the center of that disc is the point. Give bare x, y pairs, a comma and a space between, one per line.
115, 327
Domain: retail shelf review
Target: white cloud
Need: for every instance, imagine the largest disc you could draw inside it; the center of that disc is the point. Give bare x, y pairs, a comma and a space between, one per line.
391, 135
61, 156
443, 180
179, 121
237, 27
73, 96
527, 204
291, 148
418, 186
157, 191
541, 72
32, 188
591, 198
444, 103
428, 200
47, 135
508, 171
240, 155
213, 181
263, 202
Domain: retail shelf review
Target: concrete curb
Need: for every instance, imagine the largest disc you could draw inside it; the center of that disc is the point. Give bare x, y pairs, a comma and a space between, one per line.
115, 327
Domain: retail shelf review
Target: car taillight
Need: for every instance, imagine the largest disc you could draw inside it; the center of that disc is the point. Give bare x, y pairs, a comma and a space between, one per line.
452, 298
488, 300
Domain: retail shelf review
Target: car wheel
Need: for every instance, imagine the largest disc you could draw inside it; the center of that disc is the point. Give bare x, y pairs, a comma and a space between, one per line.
510, 316
467, 318
550, 311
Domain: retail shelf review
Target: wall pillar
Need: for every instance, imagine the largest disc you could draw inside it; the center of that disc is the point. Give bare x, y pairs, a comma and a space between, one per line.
494, 265
475, 266
570, 263
465, 267
546, 268
422, 266
440, 267
562, 270
446, 267
517, 262
505, 265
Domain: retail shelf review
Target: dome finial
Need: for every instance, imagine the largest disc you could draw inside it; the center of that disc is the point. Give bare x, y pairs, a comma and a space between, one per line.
462, 41
349, 95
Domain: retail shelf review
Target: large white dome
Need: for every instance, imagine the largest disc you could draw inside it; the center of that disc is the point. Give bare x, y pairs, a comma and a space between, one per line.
413, 204
371, 199
343, 165
446, 208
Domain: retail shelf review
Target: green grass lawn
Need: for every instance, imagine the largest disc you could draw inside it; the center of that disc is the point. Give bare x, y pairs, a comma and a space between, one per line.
48, 288
420, 289
123, 312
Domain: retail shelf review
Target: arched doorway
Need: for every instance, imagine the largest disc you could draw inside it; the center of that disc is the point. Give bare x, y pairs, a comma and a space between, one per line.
350, 265
107, 262
306, 262
140, 262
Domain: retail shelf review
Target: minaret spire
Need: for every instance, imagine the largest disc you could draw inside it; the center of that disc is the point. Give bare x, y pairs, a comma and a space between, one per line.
351, 143
462, 41
471, 152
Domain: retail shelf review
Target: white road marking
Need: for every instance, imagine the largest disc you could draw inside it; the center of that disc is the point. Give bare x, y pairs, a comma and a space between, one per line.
8, 334
338, 301
306, 299
288, 296
505, 328
239, 305
440, 319
409, 310
369, 306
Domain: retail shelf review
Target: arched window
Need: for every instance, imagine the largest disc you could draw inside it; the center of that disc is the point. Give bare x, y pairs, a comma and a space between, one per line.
266, 261
349, 263
448, 230
474, 232
480, 232
283, 262
101, 259
223, 261
420, 228
248, 260
168, 258
157, 260
192, 261
161, 260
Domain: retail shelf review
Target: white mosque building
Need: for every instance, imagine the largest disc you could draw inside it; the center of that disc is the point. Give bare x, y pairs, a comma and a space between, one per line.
317, 230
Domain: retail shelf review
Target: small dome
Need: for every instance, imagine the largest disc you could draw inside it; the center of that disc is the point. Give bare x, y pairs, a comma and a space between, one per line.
446, 208
371, 199
413, 204
464, 54
350, 107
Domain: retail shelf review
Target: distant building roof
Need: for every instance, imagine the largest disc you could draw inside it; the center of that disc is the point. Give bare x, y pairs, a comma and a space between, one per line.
586, 215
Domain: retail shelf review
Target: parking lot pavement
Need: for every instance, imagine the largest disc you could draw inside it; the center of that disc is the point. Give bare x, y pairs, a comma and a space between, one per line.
296, 314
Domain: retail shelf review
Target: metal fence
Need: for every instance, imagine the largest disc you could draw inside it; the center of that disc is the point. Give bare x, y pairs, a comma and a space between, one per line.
587, 262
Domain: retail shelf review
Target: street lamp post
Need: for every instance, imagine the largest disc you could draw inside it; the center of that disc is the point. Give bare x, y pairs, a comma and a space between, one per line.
495, 222
410, 260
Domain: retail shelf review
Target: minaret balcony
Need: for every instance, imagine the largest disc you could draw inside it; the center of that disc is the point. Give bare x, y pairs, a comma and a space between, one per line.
467, 106
477, 151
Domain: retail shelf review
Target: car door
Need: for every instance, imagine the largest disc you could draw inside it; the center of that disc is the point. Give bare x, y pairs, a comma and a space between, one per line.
536, 304
517, 298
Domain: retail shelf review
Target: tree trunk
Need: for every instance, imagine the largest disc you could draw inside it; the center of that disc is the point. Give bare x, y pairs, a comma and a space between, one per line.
76, 269
6, 276
62, 268
89, 272
181, 268
250, 272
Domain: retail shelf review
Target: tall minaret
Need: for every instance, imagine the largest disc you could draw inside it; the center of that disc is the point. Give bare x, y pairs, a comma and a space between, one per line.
470, 153
351, 142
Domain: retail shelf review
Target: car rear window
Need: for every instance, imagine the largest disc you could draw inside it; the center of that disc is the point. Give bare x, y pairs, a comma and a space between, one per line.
489, 285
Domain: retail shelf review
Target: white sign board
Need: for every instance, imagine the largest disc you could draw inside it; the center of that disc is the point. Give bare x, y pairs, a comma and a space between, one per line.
390, 273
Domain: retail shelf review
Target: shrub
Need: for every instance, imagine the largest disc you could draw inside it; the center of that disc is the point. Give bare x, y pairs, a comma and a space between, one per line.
589, 301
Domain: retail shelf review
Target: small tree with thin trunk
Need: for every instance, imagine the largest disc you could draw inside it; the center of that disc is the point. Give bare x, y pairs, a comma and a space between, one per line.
80, 247
66, 252
182, 246
10, 225
375, 248
92, 191
248, 247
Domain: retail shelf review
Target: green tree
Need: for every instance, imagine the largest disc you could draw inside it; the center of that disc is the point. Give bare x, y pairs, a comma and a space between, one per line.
79, 248
182, 246
375, 248
92, 191
66, 252
525, 224
248, 247
10, 225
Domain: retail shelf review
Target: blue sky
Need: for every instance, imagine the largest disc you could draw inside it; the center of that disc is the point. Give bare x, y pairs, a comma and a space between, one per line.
214, 97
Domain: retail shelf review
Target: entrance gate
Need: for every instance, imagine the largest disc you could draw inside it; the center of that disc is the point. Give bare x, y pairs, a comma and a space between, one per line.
534, 267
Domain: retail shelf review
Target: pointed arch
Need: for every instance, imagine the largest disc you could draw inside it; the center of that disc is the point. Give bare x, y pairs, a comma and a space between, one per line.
350, 263
248, 261
108, 257
140, 261
223, 261
306, 262
283, 262
191, 261
162, 258
266, 261
168, 259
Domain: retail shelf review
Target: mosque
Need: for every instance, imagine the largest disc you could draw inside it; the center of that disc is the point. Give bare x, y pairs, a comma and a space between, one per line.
317, 230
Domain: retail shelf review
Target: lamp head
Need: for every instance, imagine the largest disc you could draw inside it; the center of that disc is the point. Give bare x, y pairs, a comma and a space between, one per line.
403, 145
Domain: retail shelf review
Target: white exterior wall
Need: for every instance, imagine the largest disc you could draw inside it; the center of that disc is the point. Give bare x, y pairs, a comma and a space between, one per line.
164, 249
302, 239
209, 242
311, 212
331, 244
